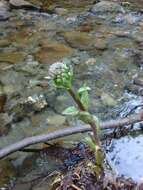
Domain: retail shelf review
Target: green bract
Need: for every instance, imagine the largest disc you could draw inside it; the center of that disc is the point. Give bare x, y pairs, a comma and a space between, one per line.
86, 117
61, 74
97, 122
83, 95
73, 111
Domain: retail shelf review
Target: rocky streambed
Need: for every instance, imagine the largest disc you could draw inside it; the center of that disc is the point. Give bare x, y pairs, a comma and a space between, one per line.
103, 41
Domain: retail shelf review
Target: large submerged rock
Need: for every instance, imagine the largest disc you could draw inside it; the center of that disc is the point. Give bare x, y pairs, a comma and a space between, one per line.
83, 41
51, 52
12, 57
79, 40
18, 4
106, 6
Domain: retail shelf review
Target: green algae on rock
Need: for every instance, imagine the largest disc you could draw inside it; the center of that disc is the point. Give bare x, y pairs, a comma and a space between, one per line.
4, 43
52, 52
83, 41
80, 40
23, 38
12, 57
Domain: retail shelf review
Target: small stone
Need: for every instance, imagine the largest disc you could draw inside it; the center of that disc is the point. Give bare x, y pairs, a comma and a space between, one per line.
9, 89
122, 33
131, 18
138, 81
108, 100
135, 89
86, 27
61, 11
71, 19
137, 36
5, 119
38, 102
100, 43
29, 68
33, 63
56, 120
7, 171
4, 124
91, 61
75, 60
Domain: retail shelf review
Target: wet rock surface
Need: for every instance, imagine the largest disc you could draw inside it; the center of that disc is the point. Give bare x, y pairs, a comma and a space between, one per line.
19, 4
12, 57
7, 171
52, 51
79, 40
103, 43
4, 11
2, 102
5, 124
107, 7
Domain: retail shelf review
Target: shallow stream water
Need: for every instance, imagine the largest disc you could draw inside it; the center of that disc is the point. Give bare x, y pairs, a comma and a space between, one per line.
105, 50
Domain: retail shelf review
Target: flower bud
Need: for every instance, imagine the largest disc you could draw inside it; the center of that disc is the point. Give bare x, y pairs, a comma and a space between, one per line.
61, 75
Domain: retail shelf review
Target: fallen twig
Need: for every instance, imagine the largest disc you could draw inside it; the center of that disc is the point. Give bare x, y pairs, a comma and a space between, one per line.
66, 132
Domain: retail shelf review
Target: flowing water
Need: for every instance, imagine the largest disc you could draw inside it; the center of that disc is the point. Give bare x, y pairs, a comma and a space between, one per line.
105, 50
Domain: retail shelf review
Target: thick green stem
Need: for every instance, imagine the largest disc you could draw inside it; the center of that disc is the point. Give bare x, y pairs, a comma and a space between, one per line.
99, 154
81, 107
96, 140
76, 99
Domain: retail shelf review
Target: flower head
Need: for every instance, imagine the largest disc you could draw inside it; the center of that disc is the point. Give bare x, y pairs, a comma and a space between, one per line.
61, 74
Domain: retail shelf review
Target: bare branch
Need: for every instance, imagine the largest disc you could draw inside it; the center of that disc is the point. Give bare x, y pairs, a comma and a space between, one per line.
66, 132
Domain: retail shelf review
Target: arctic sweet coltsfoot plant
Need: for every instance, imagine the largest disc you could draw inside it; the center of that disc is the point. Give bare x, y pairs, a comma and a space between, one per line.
62, 77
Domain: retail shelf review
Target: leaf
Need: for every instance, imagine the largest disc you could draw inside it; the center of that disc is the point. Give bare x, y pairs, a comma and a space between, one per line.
84, 99
83, 89
83, 95
73, 111
97, 122
86, 117
90, 143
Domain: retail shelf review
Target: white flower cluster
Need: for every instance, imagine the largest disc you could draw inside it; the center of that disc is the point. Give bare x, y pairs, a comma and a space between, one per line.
61, 74
56, 69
